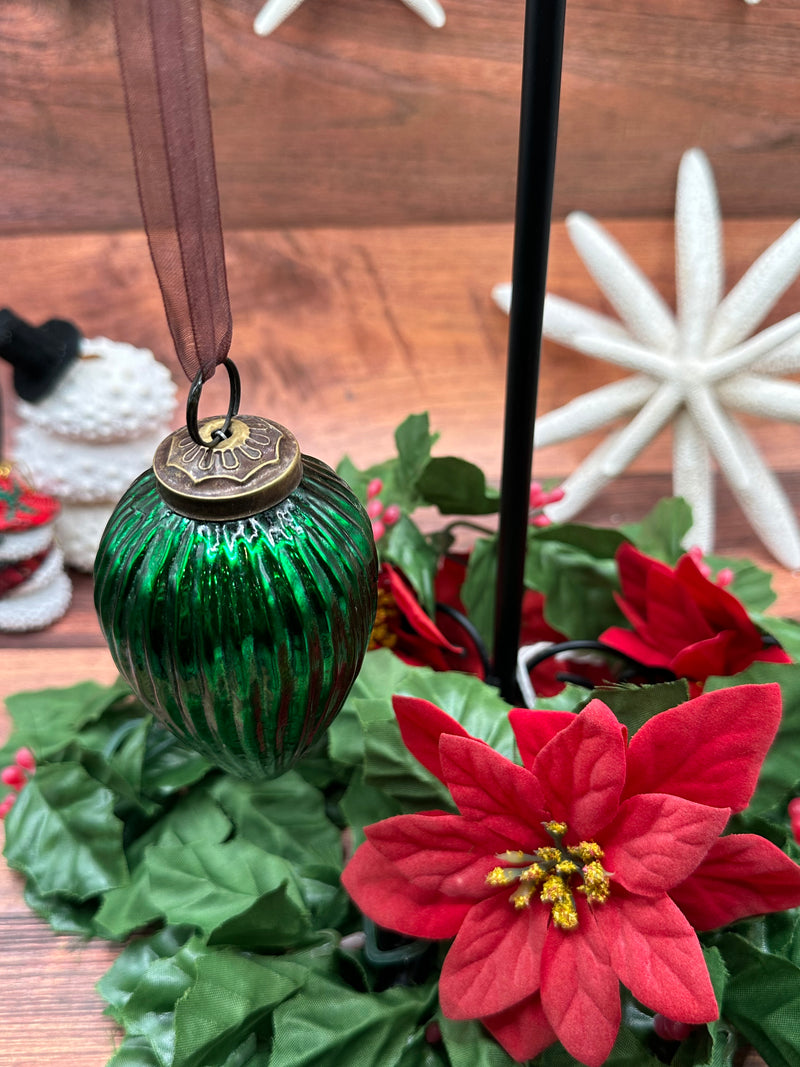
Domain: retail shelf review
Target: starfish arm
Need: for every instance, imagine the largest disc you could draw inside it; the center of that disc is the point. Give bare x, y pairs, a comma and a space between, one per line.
584, 483
745, 354
592, 410
756, 395
431, 11
272, 15
642, 429
756, 293
783, 360
699, 262
752, 482
624, 353
564, 321
693, 479
632, 295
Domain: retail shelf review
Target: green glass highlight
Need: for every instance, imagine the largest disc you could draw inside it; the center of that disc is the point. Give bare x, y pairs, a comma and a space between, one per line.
243, 637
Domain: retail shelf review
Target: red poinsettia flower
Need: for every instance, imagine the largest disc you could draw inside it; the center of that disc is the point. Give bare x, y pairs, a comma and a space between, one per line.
683, 621
405, 627
592, 864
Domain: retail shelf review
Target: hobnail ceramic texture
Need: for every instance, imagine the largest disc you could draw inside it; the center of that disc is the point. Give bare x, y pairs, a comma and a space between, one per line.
242, 637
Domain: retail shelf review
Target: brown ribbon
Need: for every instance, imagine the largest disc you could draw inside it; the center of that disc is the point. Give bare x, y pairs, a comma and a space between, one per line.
160, 46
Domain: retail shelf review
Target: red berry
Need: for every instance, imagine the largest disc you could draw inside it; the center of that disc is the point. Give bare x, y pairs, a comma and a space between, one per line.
13, 776
725, 577
540, 520
7, 804
374, 487
25, 759
391, 515
433, 1033
374, 508
671, 1029
378, 529
793, 808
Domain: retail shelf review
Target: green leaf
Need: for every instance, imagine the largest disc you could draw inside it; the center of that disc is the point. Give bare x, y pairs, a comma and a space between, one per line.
63, 834
234, 892
716, 1044
119, 982
780, 770
405, 545
635, 705
785, 631
48, 719
285, 817
134, 1052
231, 995
364, 804
112, 750
628, 1051
457, 487
64, 915
468, 1044
356, 479
662, 530
762, 1000
575, 569
751, 584
414, 443
169, 766
478, 590
327, 1025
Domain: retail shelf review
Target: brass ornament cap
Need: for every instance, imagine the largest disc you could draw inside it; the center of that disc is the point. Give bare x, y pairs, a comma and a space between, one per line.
255, 467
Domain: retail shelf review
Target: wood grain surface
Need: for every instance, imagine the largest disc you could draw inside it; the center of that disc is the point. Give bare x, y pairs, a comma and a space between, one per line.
354, 112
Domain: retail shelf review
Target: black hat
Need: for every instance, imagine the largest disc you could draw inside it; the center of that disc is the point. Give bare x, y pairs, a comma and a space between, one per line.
39, 354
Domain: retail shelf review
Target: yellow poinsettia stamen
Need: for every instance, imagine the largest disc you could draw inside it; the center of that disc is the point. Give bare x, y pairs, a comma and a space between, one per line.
386, 617
557, 871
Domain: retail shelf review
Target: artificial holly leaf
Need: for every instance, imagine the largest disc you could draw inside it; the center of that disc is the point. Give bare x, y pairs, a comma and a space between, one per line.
414, 443
662, 530
169, 765
419, 1052
194, 817
345, 736
128, 907
379, 678
469, 1044
574, 567
121, 980
356, 479
751, 584
327, 1024
628, 1051
231, 995
390, 768
48, 719
635, 705
135, 1052
64, 916
405, 545
716, 1043
785, 631
780, 770
762, 1000
63, 834
285, 817
112, 750
364, 804
457, 487
479, 588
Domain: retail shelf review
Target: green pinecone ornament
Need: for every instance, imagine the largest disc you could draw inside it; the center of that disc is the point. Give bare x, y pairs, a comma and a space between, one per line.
236, 585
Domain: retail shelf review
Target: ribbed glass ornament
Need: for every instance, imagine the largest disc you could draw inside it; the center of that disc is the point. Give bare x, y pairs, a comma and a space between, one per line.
242, 636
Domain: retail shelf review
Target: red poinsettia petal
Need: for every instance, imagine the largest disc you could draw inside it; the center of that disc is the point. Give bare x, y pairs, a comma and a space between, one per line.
704, 658
580, 989
657, 956
421, 725
673, 617
709, 749
488, 788
630, 644
533, 729
495, 959
633, 567
390, 900
439, 852
412, 610
743, 875
582, 770
657, 840
522, 1030
721, 608
449, 579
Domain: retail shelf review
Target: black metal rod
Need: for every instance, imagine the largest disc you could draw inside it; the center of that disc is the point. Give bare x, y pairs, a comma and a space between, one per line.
541, 86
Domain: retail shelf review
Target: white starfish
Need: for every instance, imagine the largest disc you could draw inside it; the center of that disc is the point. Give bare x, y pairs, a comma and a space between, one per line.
274, 12
695, 368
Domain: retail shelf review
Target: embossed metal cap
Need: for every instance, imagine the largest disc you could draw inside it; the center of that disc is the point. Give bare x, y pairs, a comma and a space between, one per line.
255, 467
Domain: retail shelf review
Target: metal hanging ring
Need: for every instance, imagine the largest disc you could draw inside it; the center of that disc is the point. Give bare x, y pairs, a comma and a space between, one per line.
193, 402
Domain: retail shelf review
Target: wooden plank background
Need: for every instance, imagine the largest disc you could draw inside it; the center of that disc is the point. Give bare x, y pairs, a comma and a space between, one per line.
354, 112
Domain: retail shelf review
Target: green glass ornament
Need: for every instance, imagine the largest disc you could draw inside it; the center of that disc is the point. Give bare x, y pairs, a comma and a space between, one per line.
236, 585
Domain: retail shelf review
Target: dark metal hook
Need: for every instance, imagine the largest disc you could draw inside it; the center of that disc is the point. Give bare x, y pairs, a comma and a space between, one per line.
193, 402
